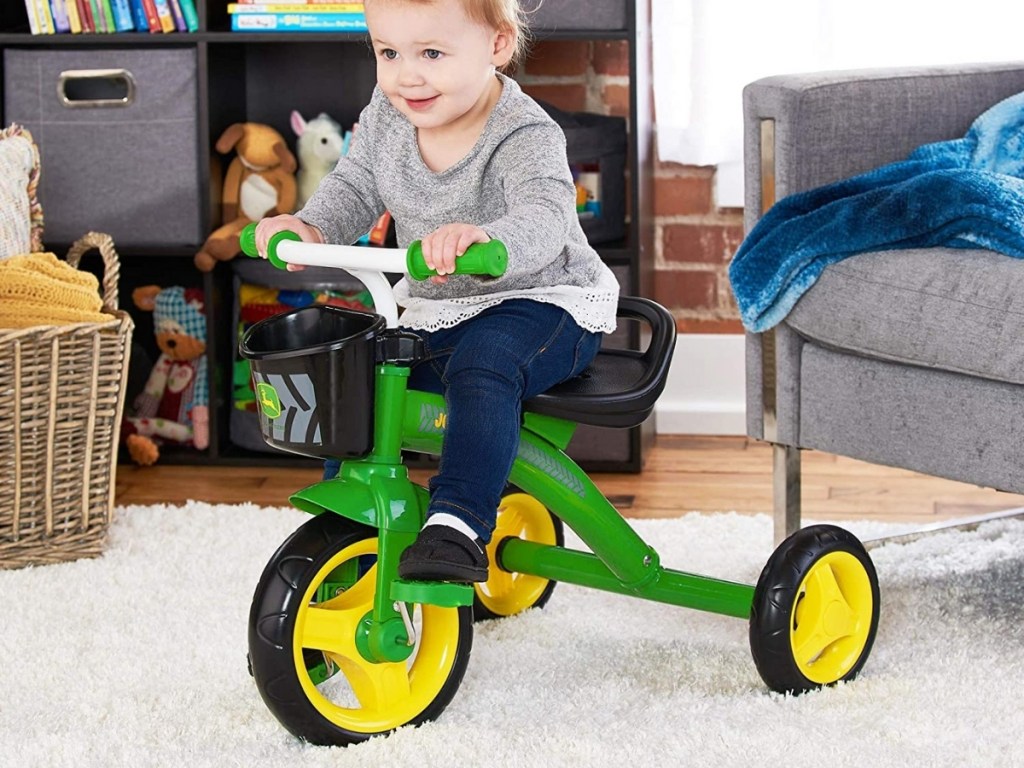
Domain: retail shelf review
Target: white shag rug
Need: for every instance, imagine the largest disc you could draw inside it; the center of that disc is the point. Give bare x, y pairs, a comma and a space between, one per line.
138, 659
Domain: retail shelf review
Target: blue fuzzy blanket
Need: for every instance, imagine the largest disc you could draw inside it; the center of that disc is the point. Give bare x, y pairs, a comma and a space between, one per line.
963, 193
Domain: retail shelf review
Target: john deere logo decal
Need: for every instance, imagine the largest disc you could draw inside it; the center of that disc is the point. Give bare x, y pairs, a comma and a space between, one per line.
270, 403
432, 419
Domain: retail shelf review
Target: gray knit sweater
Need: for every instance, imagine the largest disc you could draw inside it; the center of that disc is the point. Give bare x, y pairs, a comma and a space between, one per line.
515, 184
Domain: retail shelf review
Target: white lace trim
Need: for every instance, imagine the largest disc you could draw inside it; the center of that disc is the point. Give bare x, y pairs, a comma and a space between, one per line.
593, 308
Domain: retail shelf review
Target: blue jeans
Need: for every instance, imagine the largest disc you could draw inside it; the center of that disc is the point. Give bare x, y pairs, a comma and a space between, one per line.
486, 367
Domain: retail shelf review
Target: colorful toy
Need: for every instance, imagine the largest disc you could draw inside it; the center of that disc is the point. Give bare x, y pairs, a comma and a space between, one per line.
258, 302
174, 405
343, 650
587, 179
321, 142
260, 181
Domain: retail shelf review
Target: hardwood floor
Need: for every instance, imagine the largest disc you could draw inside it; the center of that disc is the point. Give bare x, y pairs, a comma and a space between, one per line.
682, 474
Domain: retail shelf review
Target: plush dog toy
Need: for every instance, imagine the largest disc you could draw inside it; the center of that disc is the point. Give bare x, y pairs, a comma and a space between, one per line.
320, 143
174, 405
260, 181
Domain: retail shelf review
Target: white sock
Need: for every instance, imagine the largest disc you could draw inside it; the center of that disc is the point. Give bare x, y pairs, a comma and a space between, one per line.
443, 518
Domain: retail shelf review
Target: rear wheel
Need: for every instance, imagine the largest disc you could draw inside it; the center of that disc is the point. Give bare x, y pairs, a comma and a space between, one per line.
815, 610
307, 641
505, 593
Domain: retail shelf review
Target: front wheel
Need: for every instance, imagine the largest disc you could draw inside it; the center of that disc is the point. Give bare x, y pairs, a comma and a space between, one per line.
306, 647
815, 610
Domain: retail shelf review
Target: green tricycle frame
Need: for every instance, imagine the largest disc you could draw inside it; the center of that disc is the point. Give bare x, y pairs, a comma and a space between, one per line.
342, 649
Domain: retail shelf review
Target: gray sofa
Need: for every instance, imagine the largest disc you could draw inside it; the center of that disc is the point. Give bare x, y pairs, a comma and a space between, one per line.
912, 359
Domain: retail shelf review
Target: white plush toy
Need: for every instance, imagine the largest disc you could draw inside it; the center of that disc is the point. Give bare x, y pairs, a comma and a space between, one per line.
320, 144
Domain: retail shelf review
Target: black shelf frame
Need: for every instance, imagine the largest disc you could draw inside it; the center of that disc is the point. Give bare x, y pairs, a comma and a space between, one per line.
221, 56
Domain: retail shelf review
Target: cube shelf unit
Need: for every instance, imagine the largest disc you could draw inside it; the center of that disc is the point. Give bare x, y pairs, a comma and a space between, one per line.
261, 77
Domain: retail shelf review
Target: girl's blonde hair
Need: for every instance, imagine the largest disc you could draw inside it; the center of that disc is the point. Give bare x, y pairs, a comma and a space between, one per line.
503, 15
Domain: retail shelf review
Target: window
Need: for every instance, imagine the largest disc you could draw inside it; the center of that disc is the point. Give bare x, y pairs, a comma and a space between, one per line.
705, 51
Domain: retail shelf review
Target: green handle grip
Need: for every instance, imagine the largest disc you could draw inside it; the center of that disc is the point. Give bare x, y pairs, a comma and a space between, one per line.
247, 240
490, 258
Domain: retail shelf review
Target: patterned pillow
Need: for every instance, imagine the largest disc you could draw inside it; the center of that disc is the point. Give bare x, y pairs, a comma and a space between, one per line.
21, 217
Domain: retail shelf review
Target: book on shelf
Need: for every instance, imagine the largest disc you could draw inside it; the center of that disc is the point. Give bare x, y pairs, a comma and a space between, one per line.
298, 22
73, 20
122, 16
48, 17
163, 12
283, 6
138, 16
85, 15
59, 12
150, 14
33, 17
99, 15
178, 15
108, 10
293, 2
40, 18
188, 10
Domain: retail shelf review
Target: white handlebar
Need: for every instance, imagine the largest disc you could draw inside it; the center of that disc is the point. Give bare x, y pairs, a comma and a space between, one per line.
368, 265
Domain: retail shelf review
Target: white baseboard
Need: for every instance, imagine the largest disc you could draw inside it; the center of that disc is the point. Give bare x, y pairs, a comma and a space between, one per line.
705, 393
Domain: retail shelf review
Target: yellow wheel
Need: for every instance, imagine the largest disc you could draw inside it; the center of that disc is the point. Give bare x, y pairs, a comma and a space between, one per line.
815, 610
308, 646
504, 593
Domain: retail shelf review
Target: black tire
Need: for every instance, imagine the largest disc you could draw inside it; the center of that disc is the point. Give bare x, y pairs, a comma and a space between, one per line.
828, 568
282, 667
521, 592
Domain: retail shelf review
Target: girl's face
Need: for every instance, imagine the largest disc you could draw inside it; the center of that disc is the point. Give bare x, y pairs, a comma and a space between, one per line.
434, 63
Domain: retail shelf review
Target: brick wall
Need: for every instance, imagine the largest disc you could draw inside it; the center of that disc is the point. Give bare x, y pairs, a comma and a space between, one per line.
694, 240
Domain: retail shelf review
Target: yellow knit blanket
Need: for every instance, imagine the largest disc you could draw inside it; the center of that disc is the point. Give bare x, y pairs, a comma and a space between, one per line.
40, 289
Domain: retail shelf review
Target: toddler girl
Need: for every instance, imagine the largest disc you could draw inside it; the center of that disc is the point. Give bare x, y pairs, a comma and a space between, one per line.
459, 154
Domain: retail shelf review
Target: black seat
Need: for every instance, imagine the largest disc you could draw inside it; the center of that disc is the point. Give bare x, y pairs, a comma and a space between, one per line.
620, 387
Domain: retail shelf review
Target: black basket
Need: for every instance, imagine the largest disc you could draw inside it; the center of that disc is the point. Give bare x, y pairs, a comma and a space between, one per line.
313, 372
283, 291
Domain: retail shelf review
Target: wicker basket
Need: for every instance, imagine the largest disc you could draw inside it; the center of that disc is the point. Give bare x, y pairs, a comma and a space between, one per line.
63, 391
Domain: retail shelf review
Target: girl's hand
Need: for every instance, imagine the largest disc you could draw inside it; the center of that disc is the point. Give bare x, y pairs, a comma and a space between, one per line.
269, 227
444, 245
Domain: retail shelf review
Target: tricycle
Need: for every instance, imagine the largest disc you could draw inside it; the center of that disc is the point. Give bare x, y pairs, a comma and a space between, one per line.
342, 649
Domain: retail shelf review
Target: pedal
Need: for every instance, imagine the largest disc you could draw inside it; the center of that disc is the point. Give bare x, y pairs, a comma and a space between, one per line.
442, 593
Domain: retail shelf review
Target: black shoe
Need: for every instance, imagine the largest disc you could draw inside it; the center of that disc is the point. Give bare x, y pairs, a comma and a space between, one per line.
441, 553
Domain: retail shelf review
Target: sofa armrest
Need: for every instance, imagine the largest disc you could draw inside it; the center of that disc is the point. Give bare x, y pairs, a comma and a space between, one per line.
831, 125
827, 126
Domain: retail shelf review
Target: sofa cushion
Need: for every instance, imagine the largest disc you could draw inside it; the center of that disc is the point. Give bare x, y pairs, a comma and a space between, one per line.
954, 309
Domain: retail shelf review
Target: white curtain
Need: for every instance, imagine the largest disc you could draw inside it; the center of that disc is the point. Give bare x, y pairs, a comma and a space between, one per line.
705, 51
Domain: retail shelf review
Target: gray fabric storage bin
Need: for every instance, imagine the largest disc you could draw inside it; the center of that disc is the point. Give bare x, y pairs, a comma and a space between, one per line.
128, 167
576, 14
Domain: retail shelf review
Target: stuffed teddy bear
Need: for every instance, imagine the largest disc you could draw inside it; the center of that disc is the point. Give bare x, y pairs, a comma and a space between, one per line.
320, 143
174, 405
260, 181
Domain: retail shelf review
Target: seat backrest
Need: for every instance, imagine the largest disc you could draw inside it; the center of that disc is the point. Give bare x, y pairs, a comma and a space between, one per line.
620, 388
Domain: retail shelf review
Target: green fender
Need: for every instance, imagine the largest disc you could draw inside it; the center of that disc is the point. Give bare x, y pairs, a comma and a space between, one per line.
381, 502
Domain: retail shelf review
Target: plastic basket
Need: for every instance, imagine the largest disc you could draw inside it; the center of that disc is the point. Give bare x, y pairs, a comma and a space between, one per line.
313, 372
